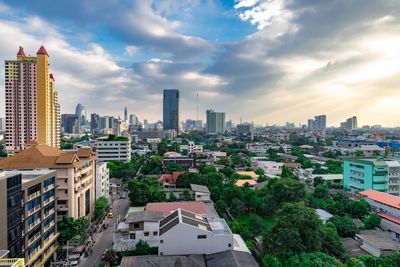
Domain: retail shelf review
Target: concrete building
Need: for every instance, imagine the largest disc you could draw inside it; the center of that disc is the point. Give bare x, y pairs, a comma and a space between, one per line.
70, 123
187, 162
139, 225
245, 130
171, 106
184, 232
200, 192
32, 109
386, 205
74, 175
215, 123
113, 148
319, 123
271, 167
369, 150
80, 111
94, 122
370, 173
191, 147
350, 124
28, 226
102, 180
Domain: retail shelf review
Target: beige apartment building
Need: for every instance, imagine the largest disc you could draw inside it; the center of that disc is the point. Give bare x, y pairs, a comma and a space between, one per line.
75, 171
28, 226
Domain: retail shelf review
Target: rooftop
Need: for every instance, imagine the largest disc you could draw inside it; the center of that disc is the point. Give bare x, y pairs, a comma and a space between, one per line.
164, 261
144, 216
199, 188
231, 258
241, 183
167, 208
252, 174
379, 240
383, 198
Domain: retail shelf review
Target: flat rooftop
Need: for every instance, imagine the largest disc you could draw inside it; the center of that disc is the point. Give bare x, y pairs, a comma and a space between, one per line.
26, 175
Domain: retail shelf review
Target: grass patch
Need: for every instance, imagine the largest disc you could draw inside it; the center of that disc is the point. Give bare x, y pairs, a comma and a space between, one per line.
266, 221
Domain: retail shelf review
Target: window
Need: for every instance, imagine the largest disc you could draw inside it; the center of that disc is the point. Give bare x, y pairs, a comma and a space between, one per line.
155, 233
161, 241
136, 225
132, 236
201, 236
229, 245
146, 233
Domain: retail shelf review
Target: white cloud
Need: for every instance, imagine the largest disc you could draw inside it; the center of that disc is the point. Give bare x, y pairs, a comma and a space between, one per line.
131, 50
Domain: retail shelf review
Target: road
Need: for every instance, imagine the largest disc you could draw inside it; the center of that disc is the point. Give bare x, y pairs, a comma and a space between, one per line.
104, 239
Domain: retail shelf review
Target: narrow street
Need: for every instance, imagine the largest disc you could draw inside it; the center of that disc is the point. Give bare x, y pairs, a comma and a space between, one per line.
104, 239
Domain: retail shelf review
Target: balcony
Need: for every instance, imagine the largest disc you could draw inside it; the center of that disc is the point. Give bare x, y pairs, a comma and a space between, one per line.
48, 213
12, 262
49, 187
48, 226
32, 196
33, 225
33, 239
32, 211
50, 199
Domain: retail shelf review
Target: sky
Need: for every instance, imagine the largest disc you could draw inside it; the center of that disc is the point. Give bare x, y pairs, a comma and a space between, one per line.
266, 61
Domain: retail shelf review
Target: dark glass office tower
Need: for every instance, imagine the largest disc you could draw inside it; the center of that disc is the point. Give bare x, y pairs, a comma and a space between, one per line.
171, 109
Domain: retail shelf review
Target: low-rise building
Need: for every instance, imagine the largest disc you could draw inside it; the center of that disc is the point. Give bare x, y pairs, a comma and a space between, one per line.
191, 147
251, 174
383, 203
169, 180
113, 148
102, 180
200, 192
184, 232
377, 243
28, 226
240, 183
369, 150
271, 167
140, 225
187, 162
167, 208
115, 187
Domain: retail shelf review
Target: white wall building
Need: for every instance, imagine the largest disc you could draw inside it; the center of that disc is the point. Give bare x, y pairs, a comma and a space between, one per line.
140, 225
102, 180
200, 192
191, 147
108, 150
271, 167
183, 233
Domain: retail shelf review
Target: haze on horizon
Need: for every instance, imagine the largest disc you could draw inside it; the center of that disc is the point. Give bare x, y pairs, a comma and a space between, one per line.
261, 60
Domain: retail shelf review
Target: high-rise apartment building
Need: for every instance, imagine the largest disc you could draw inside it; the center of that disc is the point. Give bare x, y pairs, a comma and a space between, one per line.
171, 109
94, 122
75, 175
126, 114
28, 226
70, 123
32, 110
350, 124
319, 123
215, 122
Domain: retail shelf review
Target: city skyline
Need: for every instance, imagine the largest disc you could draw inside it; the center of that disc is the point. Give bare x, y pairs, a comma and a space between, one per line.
286, 61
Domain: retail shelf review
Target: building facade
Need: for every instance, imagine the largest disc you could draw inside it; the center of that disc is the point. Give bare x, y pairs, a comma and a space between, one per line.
118, 149
75, 180
102, 180
371, 173
191, 147
32, 110
28, 226
215, 123
171, 106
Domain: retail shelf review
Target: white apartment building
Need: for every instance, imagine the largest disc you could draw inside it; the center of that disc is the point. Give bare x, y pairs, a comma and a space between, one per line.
110, 149
183, 233
102, 180
271, 167
140, 225
191, 147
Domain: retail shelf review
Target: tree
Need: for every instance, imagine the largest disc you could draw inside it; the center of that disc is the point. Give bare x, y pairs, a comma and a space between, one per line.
236, 207
316, 259
372, 221
321, 192
172, 197
359, 153
226, 161
100, 206
256, 224
174, 167
142, 248
288, 173
358, 209
284, 190
3, 152
221, 207
354, 262
144, 190
186, 195
318, 181
298, 229
332, 244
344, 225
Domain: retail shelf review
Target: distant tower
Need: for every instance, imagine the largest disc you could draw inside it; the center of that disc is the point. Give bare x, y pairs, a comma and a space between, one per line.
80, 111
171, 109
126, 114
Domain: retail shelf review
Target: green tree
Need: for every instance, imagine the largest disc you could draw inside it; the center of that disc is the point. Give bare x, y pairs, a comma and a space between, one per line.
344, 225
221, 207
354, 262
142, 248
186, 195
372, 221
318, 181
172, 197
236, 207
144, 190
284, 190
3, 152
316, 259
297, 229
226, 161
332, 244
358, 209
174, 167
100, 207
321, 192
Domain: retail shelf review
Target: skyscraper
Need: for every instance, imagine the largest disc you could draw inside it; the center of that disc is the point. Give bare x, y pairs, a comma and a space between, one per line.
126, 114
94, 121
171, 109
80, 111
32, 110
215, 122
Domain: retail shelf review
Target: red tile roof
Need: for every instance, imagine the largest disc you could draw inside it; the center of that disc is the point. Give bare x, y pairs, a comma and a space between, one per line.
21, 52
389, 217
242, 182
42, 51
167, 208
383, 198
170, 178
292, 164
